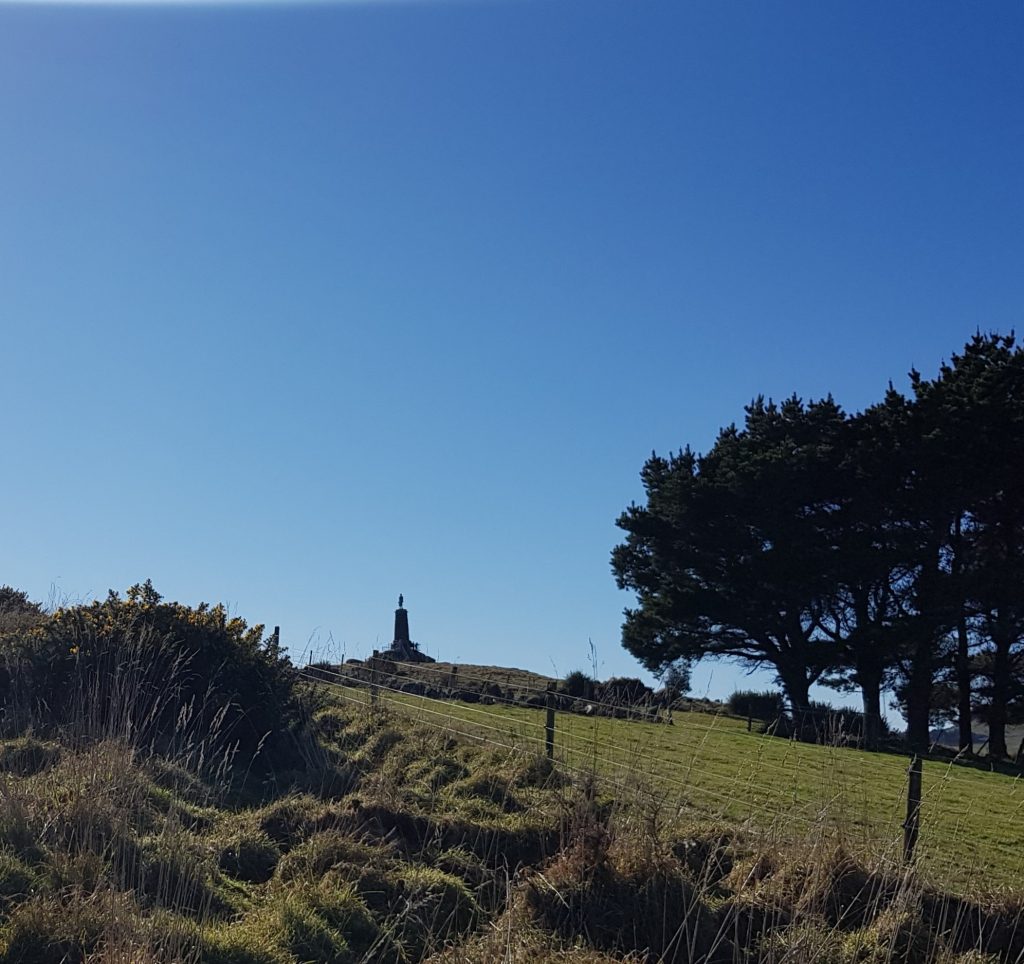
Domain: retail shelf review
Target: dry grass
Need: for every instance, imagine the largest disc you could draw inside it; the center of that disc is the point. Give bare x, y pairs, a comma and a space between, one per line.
402, 842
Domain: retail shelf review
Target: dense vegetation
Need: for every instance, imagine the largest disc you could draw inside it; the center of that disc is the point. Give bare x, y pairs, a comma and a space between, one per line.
178, 679
884, 548
149, 818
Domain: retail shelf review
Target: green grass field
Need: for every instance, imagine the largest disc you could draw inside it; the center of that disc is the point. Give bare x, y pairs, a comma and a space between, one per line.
972, 837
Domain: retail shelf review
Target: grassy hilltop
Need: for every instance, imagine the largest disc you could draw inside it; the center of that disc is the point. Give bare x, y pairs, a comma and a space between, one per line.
400, 829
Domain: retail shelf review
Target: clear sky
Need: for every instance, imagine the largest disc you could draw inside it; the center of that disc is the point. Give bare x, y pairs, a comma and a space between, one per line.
303, 306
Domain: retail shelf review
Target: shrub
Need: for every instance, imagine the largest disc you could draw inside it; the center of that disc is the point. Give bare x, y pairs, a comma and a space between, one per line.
839, 724
166, 676
625, 690
579, 685
766, 706
17, 611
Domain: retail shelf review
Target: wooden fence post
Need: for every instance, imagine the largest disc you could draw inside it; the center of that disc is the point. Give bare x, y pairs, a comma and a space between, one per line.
912, 825
549, 725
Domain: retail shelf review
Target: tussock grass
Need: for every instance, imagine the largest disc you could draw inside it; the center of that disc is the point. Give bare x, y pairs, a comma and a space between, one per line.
246, 853
27, 755
398, 841
710, 764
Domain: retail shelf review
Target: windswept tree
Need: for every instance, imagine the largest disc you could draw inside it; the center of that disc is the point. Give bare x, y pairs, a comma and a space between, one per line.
971, 419
730, 556
885, 548
871, 578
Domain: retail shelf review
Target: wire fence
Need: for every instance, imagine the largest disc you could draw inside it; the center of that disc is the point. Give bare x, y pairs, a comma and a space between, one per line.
710, 765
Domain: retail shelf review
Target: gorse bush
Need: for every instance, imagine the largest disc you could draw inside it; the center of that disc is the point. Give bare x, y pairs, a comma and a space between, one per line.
625, 690
767, 706
839, 724
578, 684
17, 611
176, 679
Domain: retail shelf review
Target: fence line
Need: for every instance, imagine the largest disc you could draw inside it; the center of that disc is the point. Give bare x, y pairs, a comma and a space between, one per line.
513, 722
528, 687
518, 730
860, 764
630, 768
447, 728
877, 760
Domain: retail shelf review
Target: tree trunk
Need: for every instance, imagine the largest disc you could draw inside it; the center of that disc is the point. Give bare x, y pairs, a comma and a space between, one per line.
1000, 684
963, 684
963, 666
927, 629
871, 694
919, 699
794, 682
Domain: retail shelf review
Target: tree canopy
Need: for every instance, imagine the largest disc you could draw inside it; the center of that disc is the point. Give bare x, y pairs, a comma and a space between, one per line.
881, 547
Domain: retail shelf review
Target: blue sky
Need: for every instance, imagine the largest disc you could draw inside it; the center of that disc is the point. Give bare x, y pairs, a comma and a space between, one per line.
306, 305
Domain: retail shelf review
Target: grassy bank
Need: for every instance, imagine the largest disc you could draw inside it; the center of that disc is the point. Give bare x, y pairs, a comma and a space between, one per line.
411, 844
174, 791
972, 837
407, 843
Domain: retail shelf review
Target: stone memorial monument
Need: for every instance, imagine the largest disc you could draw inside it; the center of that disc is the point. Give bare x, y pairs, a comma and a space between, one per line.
402, 648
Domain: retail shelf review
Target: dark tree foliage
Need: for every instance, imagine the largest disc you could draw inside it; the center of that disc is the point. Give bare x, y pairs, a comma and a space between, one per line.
882, 541
624, 690
730, 555
880, 549
578, 684
973, 413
